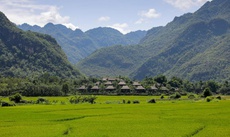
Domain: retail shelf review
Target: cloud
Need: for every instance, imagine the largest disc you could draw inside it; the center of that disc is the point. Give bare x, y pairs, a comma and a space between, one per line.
145, 16
185, 4
26, 11
104, 18
121, 27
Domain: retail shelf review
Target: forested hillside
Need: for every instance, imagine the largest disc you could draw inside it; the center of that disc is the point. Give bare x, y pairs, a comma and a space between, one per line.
25, 54
194, 46
78, 44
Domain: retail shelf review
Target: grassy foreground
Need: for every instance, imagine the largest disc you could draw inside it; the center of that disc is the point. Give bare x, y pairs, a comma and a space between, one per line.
163, 119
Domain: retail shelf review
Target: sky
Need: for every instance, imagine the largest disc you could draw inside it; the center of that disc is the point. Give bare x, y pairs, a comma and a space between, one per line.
123, 15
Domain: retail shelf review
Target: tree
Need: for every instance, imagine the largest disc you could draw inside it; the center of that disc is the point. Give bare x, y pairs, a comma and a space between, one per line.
160, 79
213, 86
16, 98
65, 88
207, 92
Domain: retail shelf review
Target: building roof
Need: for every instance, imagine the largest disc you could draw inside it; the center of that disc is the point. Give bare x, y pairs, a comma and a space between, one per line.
110, 88
136, 84
164, 89
154, 87
140, 88
95, 88
121, 83
108, 83
82, 88
125, 87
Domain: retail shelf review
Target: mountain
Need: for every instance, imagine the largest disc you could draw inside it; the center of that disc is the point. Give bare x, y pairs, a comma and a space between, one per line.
78, 44
193, 46
28, 53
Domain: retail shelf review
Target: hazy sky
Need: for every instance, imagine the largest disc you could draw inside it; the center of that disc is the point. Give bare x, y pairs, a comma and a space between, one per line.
124, 15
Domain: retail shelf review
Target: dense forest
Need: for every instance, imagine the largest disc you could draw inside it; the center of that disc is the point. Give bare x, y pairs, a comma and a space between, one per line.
194, 46
50, 85
29, 53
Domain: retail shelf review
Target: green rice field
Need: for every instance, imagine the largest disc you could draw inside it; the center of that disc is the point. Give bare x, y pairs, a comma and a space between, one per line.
109, 117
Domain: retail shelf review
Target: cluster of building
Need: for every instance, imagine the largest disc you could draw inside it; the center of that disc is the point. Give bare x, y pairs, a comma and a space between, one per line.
116, 85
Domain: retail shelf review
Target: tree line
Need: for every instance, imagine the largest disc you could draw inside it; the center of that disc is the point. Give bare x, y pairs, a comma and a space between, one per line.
50, 85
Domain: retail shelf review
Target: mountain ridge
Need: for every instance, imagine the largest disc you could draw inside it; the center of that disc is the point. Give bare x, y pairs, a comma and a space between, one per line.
25, 54
78, 44
177, 44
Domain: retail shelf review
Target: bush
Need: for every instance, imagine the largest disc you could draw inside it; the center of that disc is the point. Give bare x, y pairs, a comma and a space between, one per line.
7, 104
128, 102
82, 99
175, 96
191, 96
162, 97
136, 101
219, 97
16, 98
208, 99
41, 100
152, 101
207, 92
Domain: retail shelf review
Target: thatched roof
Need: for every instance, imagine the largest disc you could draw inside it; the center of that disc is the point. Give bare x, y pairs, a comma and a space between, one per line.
153, 87
108, 83
82, 88
140, 88
136, 84
164, 89
110, 88
95, 88
125, 88
121, 83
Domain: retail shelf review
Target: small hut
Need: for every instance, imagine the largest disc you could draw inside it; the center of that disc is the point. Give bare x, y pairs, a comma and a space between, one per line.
82, 89
125, 89
153, 88
95, 89
110, 88
136, 84
121, 83
108, 83
140, 89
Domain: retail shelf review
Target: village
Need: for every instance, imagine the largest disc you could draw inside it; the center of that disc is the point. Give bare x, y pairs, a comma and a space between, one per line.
119, 86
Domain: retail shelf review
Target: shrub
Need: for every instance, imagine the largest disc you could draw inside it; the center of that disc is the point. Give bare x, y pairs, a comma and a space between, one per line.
207, 92
7, 104
219, 97
175, 96
82, 99
123, 101
16, 98
208, 99
162, 97
152, 101
136, 101
128, 102
41, 100
191, 96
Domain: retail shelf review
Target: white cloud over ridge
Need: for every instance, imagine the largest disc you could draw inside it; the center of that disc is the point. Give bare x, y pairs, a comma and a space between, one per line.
121, 27
146, 15
104, 18
185, 4
26, 11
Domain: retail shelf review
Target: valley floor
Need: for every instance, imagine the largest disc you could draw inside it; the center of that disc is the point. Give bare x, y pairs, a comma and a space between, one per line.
110, 118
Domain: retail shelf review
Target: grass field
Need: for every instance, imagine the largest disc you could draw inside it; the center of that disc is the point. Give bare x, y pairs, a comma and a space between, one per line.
108, 118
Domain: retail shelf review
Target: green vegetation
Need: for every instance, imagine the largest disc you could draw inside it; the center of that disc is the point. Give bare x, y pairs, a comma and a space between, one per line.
164, 118
78, 45
27, 54
194, 46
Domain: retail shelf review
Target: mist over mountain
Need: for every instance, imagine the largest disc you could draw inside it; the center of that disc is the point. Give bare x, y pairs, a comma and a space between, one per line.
25, 54
78, 44
194, 46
